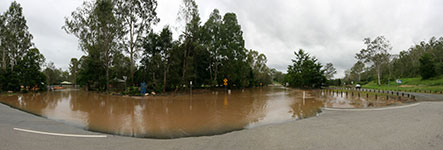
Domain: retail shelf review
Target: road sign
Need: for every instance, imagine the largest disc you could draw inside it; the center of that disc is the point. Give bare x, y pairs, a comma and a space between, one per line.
226, 83
225, 80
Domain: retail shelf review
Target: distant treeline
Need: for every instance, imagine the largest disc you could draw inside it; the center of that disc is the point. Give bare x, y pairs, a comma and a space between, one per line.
375, 63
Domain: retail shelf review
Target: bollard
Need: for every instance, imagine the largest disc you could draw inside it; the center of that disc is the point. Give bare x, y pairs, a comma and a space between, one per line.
367, 95
352, 94
358, 94
387, 97
397, 93
402, 94
375, 96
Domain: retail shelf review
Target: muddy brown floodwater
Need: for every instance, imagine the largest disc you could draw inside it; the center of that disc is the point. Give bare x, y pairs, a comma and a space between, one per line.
181, 116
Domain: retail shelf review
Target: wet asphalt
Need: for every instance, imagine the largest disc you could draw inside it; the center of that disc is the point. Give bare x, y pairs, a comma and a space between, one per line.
417, 127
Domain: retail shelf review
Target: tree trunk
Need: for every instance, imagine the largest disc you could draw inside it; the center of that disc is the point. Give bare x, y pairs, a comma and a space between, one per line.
164, 78
216, 72
131, 51
185, 57
378, 75
107, 69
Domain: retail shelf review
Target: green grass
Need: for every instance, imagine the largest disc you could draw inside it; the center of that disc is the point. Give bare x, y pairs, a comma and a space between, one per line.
411, 84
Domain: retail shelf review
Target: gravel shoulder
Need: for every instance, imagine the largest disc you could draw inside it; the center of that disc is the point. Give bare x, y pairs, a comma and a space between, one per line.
418, 127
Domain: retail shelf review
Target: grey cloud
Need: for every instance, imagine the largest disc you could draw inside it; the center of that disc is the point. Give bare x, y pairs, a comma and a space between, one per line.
332, 31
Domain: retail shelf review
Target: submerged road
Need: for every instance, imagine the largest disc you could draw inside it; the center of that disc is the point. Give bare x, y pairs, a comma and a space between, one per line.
416, 127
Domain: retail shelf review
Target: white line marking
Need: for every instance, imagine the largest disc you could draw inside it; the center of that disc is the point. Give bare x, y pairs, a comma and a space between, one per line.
60, 134
373, 109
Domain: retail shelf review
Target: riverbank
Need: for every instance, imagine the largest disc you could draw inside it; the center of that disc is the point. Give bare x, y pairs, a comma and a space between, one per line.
417, 127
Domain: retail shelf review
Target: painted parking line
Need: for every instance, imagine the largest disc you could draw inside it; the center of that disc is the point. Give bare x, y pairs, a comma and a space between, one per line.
371, 109
61, 134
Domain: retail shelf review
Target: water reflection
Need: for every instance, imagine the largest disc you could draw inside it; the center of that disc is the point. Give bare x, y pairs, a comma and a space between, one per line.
180, 116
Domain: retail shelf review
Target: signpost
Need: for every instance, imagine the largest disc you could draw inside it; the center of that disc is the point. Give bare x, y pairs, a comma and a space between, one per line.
225, 83
190, 85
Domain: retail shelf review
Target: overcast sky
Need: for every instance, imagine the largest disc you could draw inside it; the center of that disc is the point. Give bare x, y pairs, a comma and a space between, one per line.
332, 31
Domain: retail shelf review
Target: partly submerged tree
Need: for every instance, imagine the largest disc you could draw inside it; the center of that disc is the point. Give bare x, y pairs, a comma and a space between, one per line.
73, 68
305, 72
29, 70
377, 53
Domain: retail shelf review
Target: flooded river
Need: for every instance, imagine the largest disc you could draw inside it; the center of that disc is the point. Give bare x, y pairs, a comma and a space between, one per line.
181, 116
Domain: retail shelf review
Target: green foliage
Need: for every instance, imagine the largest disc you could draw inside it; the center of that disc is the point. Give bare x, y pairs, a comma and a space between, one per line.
260, 72
306, 72
376, 53
137, 17
413, 84
73, 69
98, 29
20, 65
405, 65
277, 76
28, 69
16, 39
329, 71
133, 91
204, 54
427, 68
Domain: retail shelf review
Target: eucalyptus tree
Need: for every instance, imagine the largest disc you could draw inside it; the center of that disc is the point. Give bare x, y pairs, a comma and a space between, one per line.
3, 50
233, 51
99, 30
137, 17
151, 58
166, 45
358, 69
212, 41
261, 72
74, 68
16, 39
329, 71
377, 53
189, 15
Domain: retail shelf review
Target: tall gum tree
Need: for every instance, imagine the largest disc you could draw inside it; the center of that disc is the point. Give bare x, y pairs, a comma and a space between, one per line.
377, 53
138, 16
212, 41
190, 37
16, 39
98, 29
